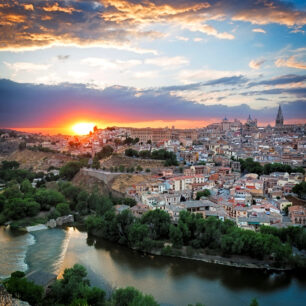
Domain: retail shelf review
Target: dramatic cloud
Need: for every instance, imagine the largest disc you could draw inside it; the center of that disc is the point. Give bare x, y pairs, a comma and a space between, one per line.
21, 105
121, 23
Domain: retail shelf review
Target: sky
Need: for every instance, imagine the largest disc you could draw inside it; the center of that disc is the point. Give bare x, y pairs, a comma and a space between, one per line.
151, 63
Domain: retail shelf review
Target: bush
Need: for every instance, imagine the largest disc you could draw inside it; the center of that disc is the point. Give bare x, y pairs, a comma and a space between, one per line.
131, 296
69, 170
63, 209
23, 289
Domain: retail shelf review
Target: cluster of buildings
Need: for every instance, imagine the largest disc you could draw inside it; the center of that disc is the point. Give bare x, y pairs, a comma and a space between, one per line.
209, 160
248, 200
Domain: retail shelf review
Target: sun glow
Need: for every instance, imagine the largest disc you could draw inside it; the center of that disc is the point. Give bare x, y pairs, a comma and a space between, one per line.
83, 128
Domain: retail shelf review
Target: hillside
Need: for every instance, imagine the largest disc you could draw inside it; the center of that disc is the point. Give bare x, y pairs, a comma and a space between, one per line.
37, 160
119, 159
123, 181
90, 183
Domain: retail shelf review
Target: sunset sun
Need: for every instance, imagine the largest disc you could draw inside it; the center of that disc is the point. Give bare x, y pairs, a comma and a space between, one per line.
83, 128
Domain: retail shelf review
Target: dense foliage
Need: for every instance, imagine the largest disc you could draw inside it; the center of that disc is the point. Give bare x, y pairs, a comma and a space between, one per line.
162, 154
300, 190
250, 166
69, 170
204, 193
73, 289
154, 228
23, 289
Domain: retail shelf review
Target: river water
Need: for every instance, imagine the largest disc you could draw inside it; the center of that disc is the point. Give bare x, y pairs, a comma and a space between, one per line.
171, 281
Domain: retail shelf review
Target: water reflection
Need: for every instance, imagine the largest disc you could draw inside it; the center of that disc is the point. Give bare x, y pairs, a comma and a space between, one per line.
233, 278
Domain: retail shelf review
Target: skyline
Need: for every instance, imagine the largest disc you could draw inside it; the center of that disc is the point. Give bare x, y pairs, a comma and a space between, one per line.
150, 63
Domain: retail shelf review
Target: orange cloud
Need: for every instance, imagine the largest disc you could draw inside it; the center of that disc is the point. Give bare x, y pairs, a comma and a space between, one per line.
255, 64
271, 15
28, 7
290, 62
56, 8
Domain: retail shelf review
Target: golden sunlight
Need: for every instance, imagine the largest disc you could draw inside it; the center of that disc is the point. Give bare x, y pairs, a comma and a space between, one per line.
83, 128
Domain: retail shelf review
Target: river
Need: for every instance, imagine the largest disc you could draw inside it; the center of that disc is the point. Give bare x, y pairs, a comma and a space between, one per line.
172, 281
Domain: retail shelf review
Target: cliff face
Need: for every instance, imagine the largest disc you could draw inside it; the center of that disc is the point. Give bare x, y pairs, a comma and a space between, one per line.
6, 299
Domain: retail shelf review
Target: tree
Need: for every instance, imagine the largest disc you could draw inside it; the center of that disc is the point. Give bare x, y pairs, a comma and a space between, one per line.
158, 222
139, 168
15, 208
63, 209
69, 170
23, 289
254, 302
48, 197
106, 151
75, 288
130, 296
96, 163
300, 190
204, 193
176, 236
32, 207
2, 202
137, 233
26, 187
9, 165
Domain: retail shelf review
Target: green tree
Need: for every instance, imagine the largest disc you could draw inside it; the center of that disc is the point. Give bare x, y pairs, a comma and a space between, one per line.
26, 187
300, 190
48, 197
32, 207
69, 170
159, 223
204, 193
176, 236
23, 289
75, 287
254, 302
131, 297
137, 233
63, 209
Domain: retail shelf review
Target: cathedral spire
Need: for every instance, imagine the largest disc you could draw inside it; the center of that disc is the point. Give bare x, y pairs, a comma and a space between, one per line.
279, 122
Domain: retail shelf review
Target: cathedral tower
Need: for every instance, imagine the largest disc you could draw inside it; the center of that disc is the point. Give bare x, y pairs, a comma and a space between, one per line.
279, 121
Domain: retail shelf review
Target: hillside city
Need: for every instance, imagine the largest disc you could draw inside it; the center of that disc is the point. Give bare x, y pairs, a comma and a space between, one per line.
243, 172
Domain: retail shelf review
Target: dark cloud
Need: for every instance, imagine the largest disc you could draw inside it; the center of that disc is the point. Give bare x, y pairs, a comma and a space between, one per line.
232, 80
28, 105
299, 92
281, 80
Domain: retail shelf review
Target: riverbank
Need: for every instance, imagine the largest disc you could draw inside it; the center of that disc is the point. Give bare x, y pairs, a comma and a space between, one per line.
199, 255
233, 261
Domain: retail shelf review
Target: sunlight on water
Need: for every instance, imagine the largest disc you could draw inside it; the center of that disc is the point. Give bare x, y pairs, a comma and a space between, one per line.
49, 251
